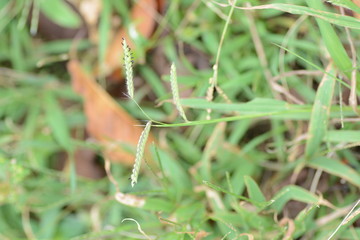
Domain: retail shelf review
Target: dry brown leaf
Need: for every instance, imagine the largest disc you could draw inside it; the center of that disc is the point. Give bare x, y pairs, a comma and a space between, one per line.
142, 14
161, 5
107, 122
357, 2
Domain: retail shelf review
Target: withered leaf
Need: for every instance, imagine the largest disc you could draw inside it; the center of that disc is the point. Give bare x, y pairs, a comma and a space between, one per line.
107, 122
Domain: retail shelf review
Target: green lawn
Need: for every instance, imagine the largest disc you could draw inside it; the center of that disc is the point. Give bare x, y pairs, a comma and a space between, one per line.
249, 114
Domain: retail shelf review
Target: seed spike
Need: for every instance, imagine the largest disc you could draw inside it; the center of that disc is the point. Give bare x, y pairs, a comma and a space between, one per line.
175, 91
140, 153
128, 68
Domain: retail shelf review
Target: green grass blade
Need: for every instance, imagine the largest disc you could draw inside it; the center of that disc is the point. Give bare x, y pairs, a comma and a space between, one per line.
253, 189
332, 41
57, 122
313, 10
346, 4
104, 29
346, 136
320, 114
292, 192
337, 168
64, 14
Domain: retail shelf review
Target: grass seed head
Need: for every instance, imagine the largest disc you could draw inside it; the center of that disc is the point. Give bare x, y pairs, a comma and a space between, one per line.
128, 65
175, 91
140, 153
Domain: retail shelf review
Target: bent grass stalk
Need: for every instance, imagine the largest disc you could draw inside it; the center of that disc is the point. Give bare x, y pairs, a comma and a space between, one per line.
140, 153
213, 79
175, 92
128, 64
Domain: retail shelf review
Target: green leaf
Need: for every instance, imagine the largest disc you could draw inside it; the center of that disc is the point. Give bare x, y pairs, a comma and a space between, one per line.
57, 122
346, 4
292, 192
347, 136
253, 189
337, 168
332, 41
344, 21
157, 204
320, 114
61, 13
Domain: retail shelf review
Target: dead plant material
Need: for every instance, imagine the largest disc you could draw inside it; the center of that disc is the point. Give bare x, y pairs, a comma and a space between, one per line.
107, 122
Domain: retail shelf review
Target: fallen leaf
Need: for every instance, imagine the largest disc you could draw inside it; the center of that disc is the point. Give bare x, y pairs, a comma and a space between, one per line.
357, 2
161, 6
107, 122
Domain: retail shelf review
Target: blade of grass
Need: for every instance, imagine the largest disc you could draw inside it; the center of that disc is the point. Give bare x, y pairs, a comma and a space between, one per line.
346, 4
348, 136
57, 122
333, 42
104, 30
320, 114
214, 79
337, 168
254, 190
297, 193
64, 14
314, 10
17, 57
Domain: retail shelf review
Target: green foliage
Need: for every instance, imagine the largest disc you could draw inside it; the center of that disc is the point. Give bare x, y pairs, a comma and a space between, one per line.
252, 169
64, 14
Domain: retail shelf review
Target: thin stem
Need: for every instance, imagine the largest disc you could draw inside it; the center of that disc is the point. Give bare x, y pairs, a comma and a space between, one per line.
213, 79
146, 115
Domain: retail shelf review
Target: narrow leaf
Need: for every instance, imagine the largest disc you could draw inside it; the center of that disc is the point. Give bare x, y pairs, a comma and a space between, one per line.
253, 189
57, 122
320, 113
337, 168
294, 193
344, 21
61, 13
346, 4
346, 136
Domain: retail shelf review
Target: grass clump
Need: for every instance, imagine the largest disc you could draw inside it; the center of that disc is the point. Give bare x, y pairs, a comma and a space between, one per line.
278, 159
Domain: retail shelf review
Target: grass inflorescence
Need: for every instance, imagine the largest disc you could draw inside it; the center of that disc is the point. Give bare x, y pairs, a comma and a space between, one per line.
128, 66
140, 153
175, 92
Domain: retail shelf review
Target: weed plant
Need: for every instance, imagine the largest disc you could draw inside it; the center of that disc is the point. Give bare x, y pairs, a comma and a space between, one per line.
268, 148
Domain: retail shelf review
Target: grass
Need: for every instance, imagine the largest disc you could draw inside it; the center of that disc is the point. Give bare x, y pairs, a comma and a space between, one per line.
278, 158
